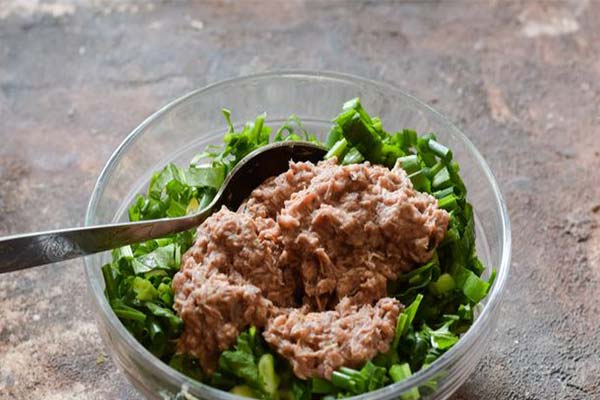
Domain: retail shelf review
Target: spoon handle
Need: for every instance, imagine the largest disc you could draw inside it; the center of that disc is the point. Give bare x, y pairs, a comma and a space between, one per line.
30, 250
33, 249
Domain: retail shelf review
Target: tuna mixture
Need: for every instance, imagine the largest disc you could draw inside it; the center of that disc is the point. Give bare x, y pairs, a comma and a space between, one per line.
307, 259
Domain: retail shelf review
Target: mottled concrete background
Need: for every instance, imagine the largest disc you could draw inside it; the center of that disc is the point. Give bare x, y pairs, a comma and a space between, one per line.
522, 78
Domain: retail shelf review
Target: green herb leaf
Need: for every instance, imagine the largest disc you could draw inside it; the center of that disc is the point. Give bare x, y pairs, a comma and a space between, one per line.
162, 258
240, 364
405, 319
144, 290
206, 176
442, 338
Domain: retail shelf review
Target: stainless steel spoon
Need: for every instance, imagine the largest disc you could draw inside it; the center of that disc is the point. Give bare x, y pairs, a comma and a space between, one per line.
29, 250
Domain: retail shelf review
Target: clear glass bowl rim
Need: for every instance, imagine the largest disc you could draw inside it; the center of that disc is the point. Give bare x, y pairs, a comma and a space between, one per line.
176, 378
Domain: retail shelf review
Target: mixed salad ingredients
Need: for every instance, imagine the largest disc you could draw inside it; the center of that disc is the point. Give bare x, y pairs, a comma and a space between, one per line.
332, 279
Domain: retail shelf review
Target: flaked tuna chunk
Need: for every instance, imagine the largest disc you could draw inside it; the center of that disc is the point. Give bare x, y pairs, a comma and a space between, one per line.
318, 343
215, 311
355, 227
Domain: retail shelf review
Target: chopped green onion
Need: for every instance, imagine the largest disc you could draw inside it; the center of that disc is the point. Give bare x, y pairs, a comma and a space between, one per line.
129, 313
410, 137
441, 179
406, 139
424, 152
333, 136
343, 381
357, 376
475, 288
352, 373
409, 163
123, 252
440, 150
157, 335
353, 156
337, 150
266, 373
420, 181
472, 286
400, 372
435, 169
444, 192
443, 285
448, 203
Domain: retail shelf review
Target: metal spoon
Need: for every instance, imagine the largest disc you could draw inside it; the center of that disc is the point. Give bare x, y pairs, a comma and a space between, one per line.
29, 250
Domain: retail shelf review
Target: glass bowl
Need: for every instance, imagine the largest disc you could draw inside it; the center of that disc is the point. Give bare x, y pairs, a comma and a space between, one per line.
184, 127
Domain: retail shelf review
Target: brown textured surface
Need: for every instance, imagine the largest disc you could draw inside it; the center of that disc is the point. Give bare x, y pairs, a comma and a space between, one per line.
523, 79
